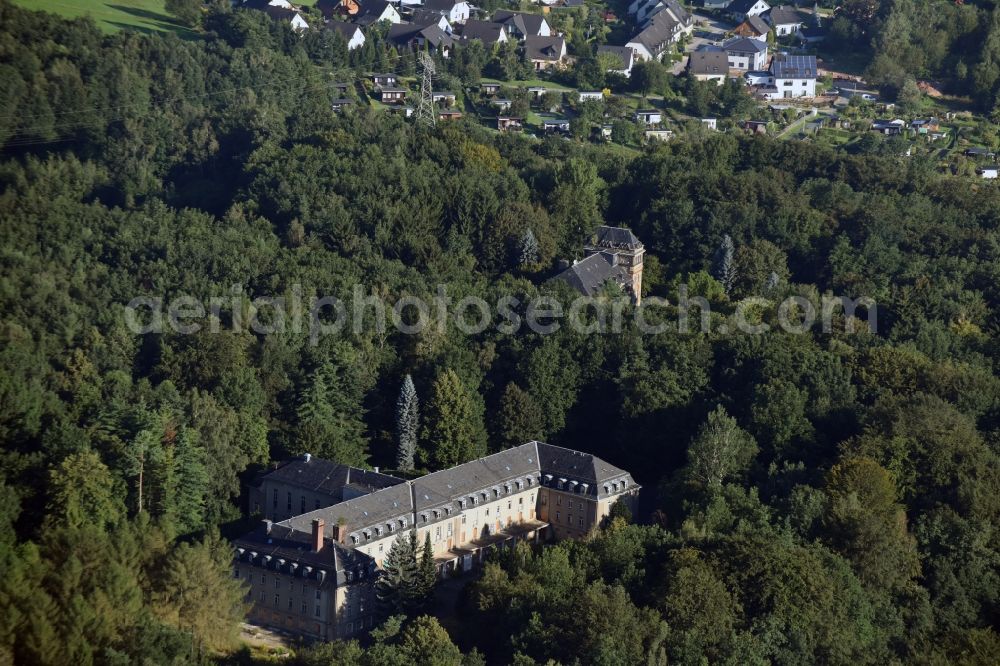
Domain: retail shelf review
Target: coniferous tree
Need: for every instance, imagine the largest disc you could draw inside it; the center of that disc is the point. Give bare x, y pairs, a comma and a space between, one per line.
192, 482
528, 249
725, 272
455, 431
426, 573
395, 585
407, 424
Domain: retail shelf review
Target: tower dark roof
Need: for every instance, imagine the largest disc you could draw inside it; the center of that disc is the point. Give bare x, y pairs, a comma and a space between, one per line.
588, 276
615, 238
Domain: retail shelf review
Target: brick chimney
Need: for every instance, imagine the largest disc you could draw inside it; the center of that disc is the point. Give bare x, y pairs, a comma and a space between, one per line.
337, 533
317, 544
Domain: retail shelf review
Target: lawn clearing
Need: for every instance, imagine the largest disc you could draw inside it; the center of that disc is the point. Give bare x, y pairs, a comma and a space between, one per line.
114, 15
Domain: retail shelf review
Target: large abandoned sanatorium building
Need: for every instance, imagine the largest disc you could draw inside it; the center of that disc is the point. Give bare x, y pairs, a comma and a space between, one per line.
310, 567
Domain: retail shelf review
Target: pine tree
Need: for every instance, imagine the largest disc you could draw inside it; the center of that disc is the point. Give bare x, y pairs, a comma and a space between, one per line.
330, 413
725, 272
192, 483
455, 432
426, 573
407, 423
394, 588
529, 248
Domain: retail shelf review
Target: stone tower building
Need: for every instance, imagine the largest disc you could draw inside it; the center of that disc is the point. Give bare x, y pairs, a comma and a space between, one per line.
621, 249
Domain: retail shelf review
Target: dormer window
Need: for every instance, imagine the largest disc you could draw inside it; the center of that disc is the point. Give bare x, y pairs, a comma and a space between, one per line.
354, 539
518, 484
506, 487
378, 531
461, 504
561, 484
529, 480
615, 486
368, 534
390, 526
436, 514
423, 517
624, 484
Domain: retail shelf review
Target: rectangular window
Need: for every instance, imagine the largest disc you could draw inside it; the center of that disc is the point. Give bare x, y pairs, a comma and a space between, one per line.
289, 602
277, 600
463, 520
318, 611
236, 572
289, 501
558, 500
262, 596
317, 504
581, 521
319, 593
277, 583
569, 518
302, 505
263, 579
275, 503
557, 516
303, 608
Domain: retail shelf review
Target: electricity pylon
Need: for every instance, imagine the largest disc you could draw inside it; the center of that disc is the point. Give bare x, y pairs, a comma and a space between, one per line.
425, 110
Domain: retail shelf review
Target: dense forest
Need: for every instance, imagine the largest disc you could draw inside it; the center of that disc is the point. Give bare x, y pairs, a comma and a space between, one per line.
957, 43
827, 497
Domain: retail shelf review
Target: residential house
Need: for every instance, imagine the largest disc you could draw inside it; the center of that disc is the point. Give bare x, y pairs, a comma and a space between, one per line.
555, 125
648, 116
490, 34
715, 4
625, 56
313, 574
401, 109
389, 95
978, 151
792, 76
521, 24
457, 11
545, 52
279, 10
888, 127
537, 91
449, 114
709, 65
590, 95
663, 29
424, 17
753, 27
710, 123
606, 132
376, 11
340, 103
925, 125
384, 79
658, 134
740, 10
755, 126
507, 123
416, 36
489, 88
786, 20
443, 98
331, 9
758, 78
349, 31
989, 173
746, 54
502, 104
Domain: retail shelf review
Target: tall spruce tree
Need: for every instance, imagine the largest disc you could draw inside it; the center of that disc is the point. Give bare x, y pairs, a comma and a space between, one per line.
426, 573
395, 587
455, 431
407, 423
725, 272
528, 248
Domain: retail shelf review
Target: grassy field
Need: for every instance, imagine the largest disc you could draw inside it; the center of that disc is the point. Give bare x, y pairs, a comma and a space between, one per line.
114, 15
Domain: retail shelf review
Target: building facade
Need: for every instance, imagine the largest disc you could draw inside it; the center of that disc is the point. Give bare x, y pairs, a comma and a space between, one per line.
313, 573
